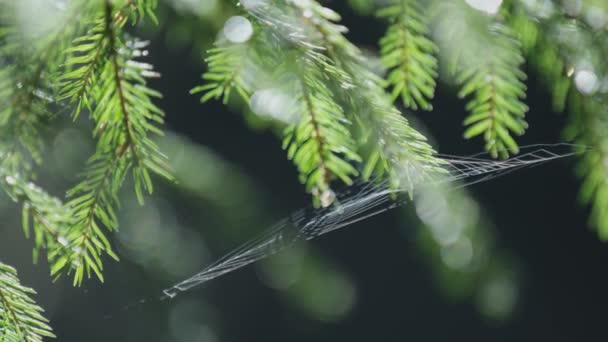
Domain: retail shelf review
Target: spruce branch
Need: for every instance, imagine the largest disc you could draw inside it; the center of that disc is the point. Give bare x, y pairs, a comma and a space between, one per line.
28, 71
588, 127
22, 115
320, 144
43, 216
28, 75
226, 63
110, 82
496, 86
559, 47
387, 140
484, 57
21, 318
86, 57
338, 80
409, 54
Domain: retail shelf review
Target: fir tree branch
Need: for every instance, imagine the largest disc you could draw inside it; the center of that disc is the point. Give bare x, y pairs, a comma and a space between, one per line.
588, 127
43, 215
485, 58
336, 71
409, 54
225, 63
496, 111
86, 58
27, 82
20, 318
21, 119
320, 143
558, 45
389, 142
111, 83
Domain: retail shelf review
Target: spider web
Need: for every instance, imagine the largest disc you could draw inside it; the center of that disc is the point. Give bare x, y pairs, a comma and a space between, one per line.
364, 200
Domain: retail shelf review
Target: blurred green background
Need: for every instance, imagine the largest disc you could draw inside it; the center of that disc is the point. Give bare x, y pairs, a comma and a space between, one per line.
510, 259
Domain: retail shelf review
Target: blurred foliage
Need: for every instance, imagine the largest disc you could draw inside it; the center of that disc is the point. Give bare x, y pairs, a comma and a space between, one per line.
310, 283
293, 69
459, 244
565, 45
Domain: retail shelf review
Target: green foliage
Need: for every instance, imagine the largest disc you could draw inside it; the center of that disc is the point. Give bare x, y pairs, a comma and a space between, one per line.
332, 88
408, 53
44, 217
98, 72
495, 83
558, 49
539, 40
484, 57
391, 147
224, 65
337, 120
86, 57
143, 8
20, 123
21, 319
109, 81
589, 128
23, 109
320, 143
28, 67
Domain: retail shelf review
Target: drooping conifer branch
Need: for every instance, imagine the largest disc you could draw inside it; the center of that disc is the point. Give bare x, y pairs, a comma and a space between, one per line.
20, 318
409, 54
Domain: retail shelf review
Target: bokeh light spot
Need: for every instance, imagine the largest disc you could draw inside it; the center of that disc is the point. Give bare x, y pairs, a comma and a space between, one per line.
273, 104
486, 6
498, 296
238, 29
459, 254
586, 82
251, 5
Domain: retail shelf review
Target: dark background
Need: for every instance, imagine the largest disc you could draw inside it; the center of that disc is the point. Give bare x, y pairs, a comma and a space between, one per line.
535, 213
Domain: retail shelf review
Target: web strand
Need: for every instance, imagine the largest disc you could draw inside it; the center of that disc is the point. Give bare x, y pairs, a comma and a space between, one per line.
362, 201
